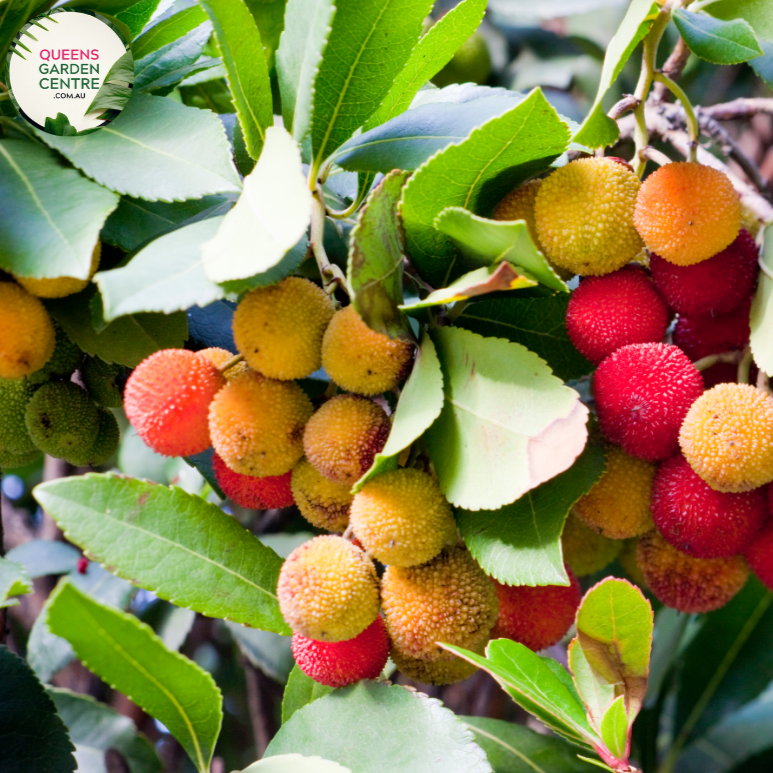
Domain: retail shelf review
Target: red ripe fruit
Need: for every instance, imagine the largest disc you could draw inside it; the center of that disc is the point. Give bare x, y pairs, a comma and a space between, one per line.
643, 392
537, 617
339, 663
713, 287
760, 555
252, 492
699, 521
701, 336
607, 312
167, 401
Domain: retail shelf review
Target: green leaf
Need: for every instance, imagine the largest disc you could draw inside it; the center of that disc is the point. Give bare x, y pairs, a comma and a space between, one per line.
614, 630
513, 748
156, 149
42, 557
168, 275
364, 725
719, 42
420, 404
507, 424
32, 736
430, 55
761, 318
376, 255
295, 763
175, 544
306, 31
530, 682
267, 651
127, 655
137, 15
51, 214
598, 129
112, 95
368, 46
60, 126
300, 691
756, 12
13, 16
763, 65
595, 694
162, 69
126, 341
476, 174
537, 323
407, 141
482, 240
168, 31
614, 729
14, 581
269, 218
520, 544
269, 15
95, 727
239, 42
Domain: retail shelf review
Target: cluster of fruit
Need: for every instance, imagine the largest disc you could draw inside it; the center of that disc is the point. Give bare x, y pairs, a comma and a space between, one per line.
41, 408
690, 449
273, 447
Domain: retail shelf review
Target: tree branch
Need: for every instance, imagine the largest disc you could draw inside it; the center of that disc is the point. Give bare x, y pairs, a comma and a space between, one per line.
673, 68
745, 107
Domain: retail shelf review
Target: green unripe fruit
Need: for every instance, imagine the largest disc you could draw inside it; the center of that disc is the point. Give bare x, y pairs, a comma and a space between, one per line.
15, 394
9, 461
65, 359
471, 63
106, 444
62, 419
102, 382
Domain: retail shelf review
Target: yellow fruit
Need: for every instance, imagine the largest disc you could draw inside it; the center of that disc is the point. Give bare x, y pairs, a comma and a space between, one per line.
618, 506
585, 550
436, 672
360, 360
328, 589
61, 286
727, 437
584, 216
402, 518
279, 328
219, 357
322, 502
344, 435
256, 424
26, 332
448, 599
687, 212
519, 205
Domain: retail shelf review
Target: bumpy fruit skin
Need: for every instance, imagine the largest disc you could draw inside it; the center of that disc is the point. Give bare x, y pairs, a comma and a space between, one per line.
615, 310
618, 506
66, 358
536, 617
713, 287
584, 216
700, 521
643, 391
328, 589
686, 583
10, 461
448, 599
699, 337
219, 357
61, 286
402, 518
322, 502
27, 341
519, 205
105, 445
337, 664
279, 328
727, 437
15, 394
344, 435
167, 399
586, 551
360, 360
251, 492
627, 559
435, 672
101, 380
760, 555
62, 419
687, 212
257, 424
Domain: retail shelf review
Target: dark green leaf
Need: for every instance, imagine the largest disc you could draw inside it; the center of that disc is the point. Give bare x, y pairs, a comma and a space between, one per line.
756, 12
300, 691
269, 15
373, 727
719, 42
200, 558
60, 126
13, 16
32, 736
539, 324
167, 65
761, 318
168, 30
521, 543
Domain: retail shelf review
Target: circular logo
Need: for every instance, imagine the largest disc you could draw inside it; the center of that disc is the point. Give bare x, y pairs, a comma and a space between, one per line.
69, 72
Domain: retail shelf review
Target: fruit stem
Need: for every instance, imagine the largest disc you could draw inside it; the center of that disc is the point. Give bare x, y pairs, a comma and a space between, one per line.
744, 366
715, 359
332, 276
235, 360
651, 154
689, 111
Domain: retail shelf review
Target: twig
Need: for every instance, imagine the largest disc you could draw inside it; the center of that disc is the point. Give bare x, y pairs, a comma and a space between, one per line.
332, 276
652, 154
628, 102
715, 359
744, 366
235, 360
673, 67
744, 107
257, 720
